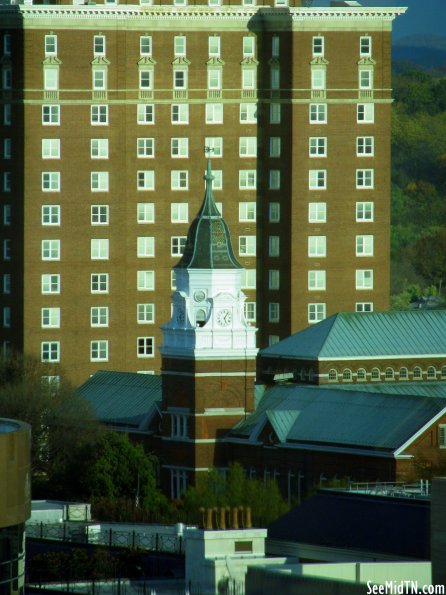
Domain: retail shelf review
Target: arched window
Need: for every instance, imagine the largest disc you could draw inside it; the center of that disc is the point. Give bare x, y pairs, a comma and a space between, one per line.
417, 373
347, 375
404, 373
376, 374
200, 317
361, 374
432, 373
443, 373
389, 374
332, 375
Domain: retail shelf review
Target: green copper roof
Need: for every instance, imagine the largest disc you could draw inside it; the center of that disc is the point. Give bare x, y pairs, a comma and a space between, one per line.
365, 335
208, 244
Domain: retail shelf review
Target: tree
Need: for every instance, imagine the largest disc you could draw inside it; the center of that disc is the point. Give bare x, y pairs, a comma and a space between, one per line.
429, 256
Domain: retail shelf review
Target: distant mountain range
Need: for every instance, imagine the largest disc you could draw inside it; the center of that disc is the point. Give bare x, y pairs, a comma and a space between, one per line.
428, 51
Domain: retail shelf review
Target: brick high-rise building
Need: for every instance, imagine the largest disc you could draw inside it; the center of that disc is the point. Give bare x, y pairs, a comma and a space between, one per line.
105, 113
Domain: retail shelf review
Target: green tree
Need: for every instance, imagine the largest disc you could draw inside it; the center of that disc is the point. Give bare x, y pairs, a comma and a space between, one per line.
429, 256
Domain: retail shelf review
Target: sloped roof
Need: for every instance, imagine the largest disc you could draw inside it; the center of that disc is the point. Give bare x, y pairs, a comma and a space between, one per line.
421, 389
374, 334
123, 399
339, 418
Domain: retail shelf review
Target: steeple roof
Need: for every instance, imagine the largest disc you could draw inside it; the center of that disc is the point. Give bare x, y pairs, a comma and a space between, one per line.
208, 244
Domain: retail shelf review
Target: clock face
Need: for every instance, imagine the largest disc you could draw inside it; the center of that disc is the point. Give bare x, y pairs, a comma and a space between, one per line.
224, 317
199, 295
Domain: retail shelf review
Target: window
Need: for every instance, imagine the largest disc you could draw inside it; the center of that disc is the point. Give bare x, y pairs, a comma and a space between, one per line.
215, 78
317, 179
179, 179
404, 373
145, 78
431, 373
145, 313
177, 245
146, 180
365, 113
361, 374
179, 147
217, 183
50, 317
7, 77
180, 77
145, 45
248, 113
51, 181
6, 316
179, 212
6, 44
318, 146
145, 247
145, 147
273, 339
51, 78
275, 113
180, 113
180, 45
214, 113
364, 307
50, 351
318, 78
214, 46
99, 181
214, 146
99, 283
250, 311
247, 245
318, 113
332, 375
145, 212
364, 279
249, 46
247, 179
317, 246
273, 312
51, 115
99, 351
248, 146
275, 77
99, 248
365, 146
417, 373
145, 113
316, 280
364, 211
317, 212
365, 46
248, 78
99, 78
318, 46
99, 115
443, 372
99, 316
6, 148
364, 178
442, 436
274, 246
145, 346
145, 280
6, 214
316, 313
274, 179
50, 148
347, 375
50, 249
173, 280
375, 374
50, 214
274, 146
389, 374
273, 279
99, 214
50, 283
99, 45
274, 212
247, 211
99, 148
248, 279
366, 78
6, 249
275, 46
364, 245
6, 283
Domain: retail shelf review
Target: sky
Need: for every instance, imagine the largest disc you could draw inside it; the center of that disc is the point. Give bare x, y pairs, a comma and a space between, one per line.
423, 16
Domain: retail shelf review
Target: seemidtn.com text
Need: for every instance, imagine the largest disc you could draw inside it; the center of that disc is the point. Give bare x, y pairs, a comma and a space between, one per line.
404, 588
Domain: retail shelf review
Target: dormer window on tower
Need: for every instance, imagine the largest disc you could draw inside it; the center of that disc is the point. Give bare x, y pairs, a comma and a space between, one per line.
51, 45
99, 45
318, 46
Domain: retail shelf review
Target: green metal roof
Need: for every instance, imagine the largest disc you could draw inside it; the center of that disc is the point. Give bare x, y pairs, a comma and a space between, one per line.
123, 399
420, 389
373, 334
208, 244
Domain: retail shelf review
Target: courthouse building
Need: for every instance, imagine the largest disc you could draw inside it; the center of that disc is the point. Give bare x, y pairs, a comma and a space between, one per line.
106, 109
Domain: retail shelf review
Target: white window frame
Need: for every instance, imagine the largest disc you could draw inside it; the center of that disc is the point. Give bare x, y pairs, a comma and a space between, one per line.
145, 280
248, 146
99, 316
247, 211
145, 247
99, 148
365, 146
248, 113
179, 147
365, 179
50, 283
99, 248
50, 249
50, 214
99, 45
317, 280
180, 113
215, 144
179, 179
145, 114
145, 347
214, 113
145, 180
145, 148
50, 115
364, 279
365, 46
145, 212
99, 181
51, 181
247, 245
318, 45
50, 351
274, 212
145, 45
365, 113
179, 212
99, 215
177, 245
214, 46
317, 312
318, 113
50, 317
364, 245
99, 282
317, 246
247, 179
179, 45
317, 212
365, 211
99, 115
317, 146
145, 313
99, 350
317, 179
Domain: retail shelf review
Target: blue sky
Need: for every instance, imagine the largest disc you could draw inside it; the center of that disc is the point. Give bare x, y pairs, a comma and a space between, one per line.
423, 16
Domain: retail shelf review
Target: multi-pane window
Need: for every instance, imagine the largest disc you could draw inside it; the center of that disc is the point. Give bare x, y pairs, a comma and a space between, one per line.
248, 146
50, 148
50, 181
247, 179
179, 179
317, 212
177, 245
275, 46
318, 76
145, 180
364, 178
179, 212
145, 247
7, 181
318, 146
214, 113
214, 146
366, 78
99, 351
215, 78
6, 316
6, 214
316, 312
317, 179
6, 44
249, 46
99, 45
145, 280
274, 146
248, 113
50, 351
7, 249
50, 283
274, 179
442, 435
50, 214
217, 183
145, 313
247, 245
50, 249
250, 311
364, 307
247, 211
145, 45
179, 45
273, 312
364, 211
365, 113
318, 46
6, 148
99, 148
51, 78
6, 283
99, 115
274, 212
365, 46
145, 78
316, 280
99, 283
180, 113
145, 113
99, 214
249, 279
51, 115
99, 316
50, 317
179, 147
274, 246
145, 212
275, 77
180, 77
364, 279
275, 113
145, 346
214, 46
248, 78
99, 78
317, 246
365, 146
99, 248
318, 113
145, 147
99, 181
364, 245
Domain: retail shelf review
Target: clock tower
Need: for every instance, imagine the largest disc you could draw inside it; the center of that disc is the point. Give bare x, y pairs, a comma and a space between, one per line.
208, 352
